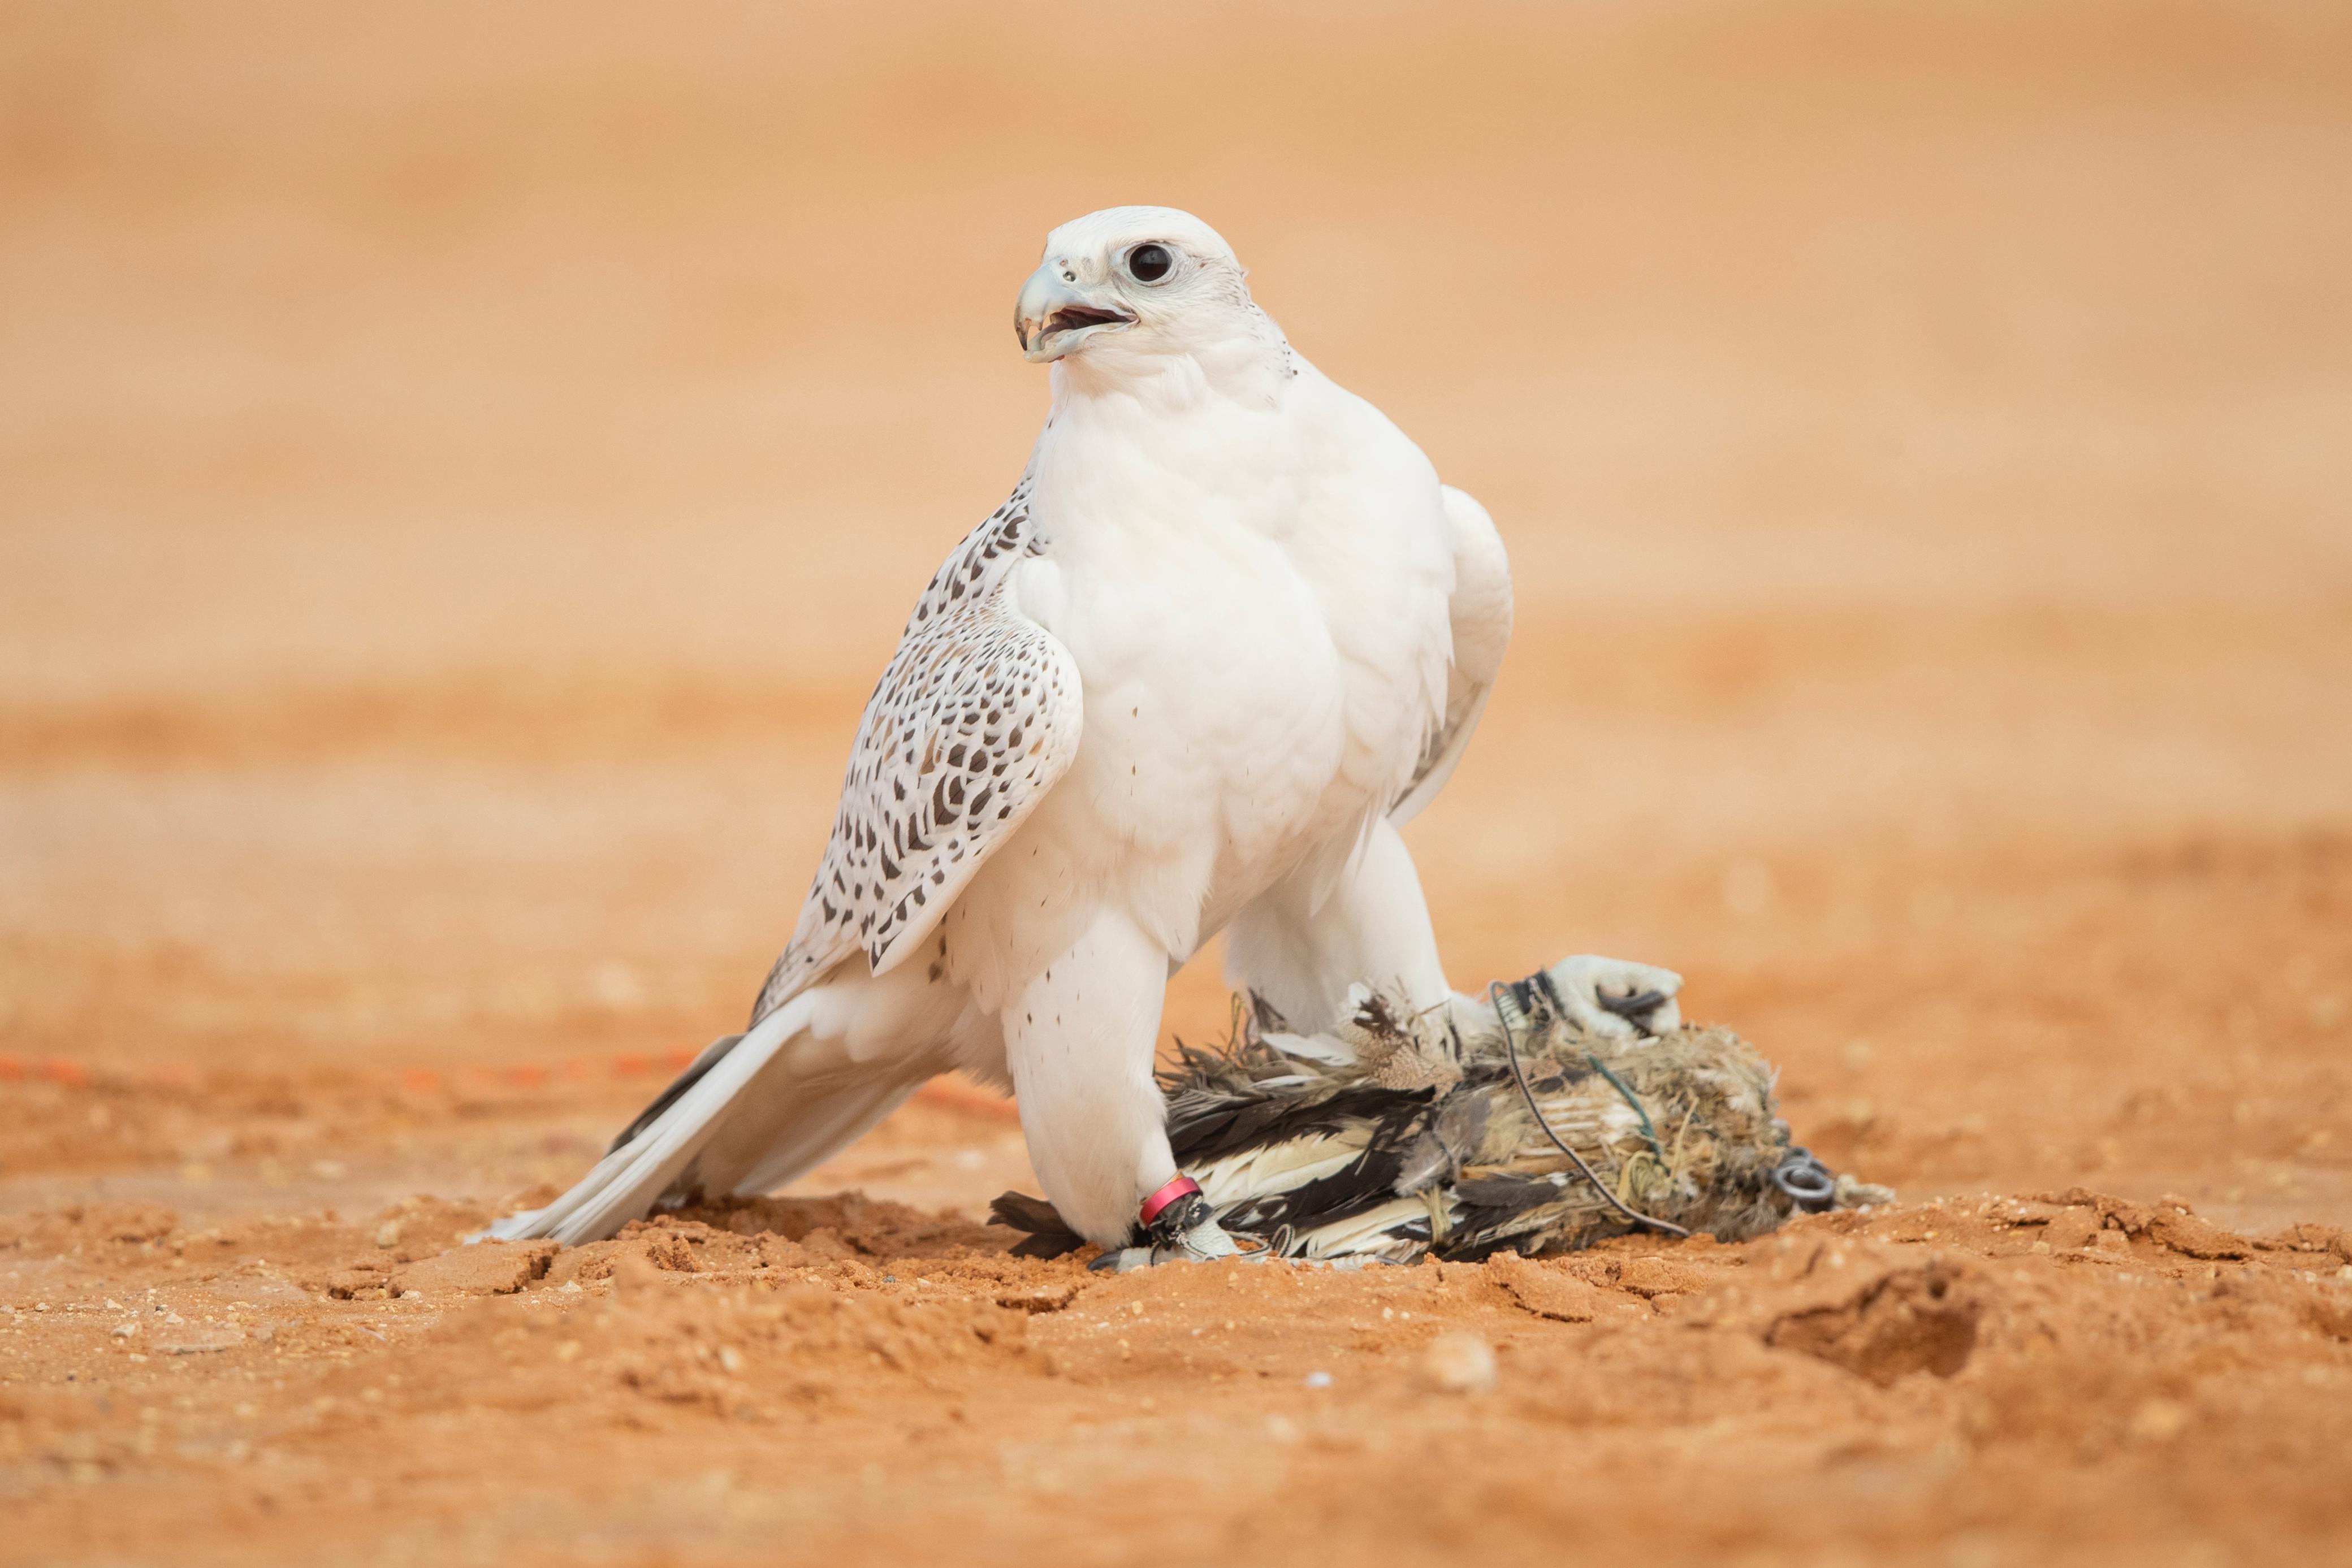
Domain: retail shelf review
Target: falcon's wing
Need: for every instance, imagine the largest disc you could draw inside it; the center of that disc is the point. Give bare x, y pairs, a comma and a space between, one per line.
1481, 614
977, 716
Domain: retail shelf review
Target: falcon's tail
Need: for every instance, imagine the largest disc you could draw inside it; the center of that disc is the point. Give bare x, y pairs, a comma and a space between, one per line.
728, 1124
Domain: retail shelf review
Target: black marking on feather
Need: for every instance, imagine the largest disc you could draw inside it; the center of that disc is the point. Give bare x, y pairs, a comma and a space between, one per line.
1048, 1236
1507, 1192
1362, 1184
1485, 1246
1201, 1133
670, 1096
968, 669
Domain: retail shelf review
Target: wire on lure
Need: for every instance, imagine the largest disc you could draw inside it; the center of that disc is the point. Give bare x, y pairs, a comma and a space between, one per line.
1519, 1076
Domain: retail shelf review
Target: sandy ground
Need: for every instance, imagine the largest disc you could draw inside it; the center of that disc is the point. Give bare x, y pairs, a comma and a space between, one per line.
459, 474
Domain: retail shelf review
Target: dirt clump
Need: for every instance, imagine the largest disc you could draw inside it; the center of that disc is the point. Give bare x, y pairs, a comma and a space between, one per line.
1918, 1319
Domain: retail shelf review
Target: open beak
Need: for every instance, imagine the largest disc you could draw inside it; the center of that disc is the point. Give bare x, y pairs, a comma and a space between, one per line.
1054, 316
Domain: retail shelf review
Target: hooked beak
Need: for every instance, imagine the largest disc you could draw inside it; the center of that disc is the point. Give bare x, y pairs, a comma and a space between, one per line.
1054, 316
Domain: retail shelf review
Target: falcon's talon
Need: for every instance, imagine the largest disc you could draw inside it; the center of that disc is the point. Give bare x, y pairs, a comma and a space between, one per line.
1197, 1238
1612, 997
1202, 1243
1195, 1247
1634, 1006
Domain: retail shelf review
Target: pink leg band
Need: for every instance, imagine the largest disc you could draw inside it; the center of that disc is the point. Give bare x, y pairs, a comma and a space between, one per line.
1182, 1187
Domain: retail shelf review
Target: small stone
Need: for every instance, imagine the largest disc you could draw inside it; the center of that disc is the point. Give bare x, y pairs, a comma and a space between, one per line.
1458, 1363
124, 1331
388, 1233
1319, 1380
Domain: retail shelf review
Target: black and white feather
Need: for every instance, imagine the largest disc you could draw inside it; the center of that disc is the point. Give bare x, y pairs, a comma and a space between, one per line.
975, 717
1392, 1136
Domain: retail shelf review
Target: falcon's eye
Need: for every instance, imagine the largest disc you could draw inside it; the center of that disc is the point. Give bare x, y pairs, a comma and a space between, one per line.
1150, 263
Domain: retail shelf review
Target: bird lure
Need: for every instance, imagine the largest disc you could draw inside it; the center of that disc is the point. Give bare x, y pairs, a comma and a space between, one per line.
1465, 1132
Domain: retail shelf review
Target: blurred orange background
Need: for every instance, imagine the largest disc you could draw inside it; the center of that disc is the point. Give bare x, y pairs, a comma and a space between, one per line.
463, 468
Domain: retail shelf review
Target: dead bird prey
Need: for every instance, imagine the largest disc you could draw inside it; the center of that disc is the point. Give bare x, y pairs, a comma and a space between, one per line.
1392, 1134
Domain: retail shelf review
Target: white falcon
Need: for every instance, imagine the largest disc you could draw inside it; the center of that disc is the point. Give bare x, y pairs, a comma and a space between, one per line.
1226, 634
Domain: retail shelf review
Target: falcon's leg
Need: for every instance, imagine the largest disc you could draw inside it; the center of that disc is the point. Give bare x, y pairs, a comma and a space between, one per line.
1078, 1038
1372, 929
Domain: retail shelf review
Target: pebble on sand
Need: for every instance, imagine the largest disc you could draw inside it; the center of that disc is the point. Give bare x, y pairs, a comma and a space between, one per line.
1458, 1363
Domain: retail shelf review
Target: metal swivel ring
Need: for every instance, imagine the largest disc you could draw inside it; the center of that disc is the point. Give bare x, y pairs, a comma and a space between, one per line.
1809, 1183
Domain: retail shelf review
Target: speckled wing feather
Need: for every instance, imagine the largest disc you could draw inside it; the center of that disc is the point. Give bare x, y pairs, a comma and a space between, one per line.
976, 717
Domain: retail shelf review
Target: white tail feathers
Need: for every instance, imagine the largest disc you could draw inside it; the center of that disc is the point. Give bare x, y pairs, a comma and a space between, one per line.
627, 1183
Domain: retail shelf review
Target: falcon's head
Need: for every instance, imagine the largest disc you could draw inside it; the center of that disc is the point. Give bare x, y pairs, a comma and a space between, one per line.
1151, 279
